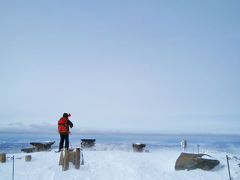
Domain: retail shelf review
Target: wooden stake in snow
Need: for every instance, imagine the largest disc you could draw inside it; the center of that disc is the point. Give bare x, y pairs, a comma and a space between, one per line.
66, 161
3, 157
228, 167
77, 160
184, 145
61, 158
70, 156
28, 158
82, 163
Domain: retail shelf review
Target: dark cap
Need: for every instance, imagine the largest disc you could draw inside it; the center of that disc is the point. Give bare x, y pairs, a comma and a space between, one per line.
65, 115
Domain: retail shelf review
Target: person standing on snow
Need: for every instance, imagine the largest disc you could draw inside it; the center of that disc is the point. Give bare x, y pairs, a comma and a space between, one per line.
63, 130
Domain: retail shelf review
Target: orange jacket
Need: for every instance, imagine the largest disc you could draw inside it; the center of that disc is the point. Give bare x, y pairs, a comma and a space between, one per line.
63, 125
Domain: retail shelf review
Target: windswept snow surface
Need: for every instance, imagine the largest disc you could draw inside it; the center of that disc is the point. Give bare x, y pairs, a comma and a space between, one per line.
116, 164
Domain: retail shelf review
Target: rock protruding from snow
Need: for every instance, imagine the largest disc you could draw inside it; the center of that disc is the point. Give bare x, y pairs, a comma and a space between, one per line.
193, 161
138, 147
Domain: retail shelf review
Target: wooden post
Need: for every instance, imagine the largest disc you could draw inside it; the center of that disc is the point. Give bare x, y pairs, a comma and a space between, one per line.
77, 160
184, 145
66, 161
71, 157
3, 157
13, 168
28, 158
61, 158
82, 163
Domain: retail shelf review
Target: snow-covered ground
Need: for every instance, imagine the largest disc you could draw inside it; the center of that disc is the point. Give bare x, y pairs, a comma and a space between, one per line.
115, 165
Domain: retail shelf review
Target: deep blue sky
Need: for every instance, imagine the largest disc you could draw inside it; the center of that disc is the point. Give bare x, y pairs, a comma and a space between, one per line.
147, 66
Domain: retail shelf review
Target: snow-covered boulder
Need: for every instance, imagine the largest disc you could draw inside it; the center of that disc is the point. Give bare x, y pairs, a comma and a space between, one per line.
193, 161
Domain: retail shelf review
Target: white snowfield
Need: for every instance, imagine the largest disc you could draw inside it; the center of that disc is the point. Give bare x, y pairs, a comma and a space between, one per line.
115, 165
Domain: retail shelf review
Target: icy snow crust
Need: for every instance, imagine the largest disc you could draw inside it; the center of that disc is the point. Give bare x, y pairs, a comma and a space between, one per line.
115, 164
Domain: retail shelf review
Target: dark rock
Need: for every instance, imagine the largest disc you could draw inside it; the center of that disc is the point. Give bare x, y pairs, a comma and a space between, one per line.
193, 161
138, 147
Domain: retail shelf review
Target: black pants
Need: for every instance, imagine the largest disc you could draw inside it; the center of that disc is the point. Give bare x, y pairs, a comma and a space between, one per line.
64, 137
